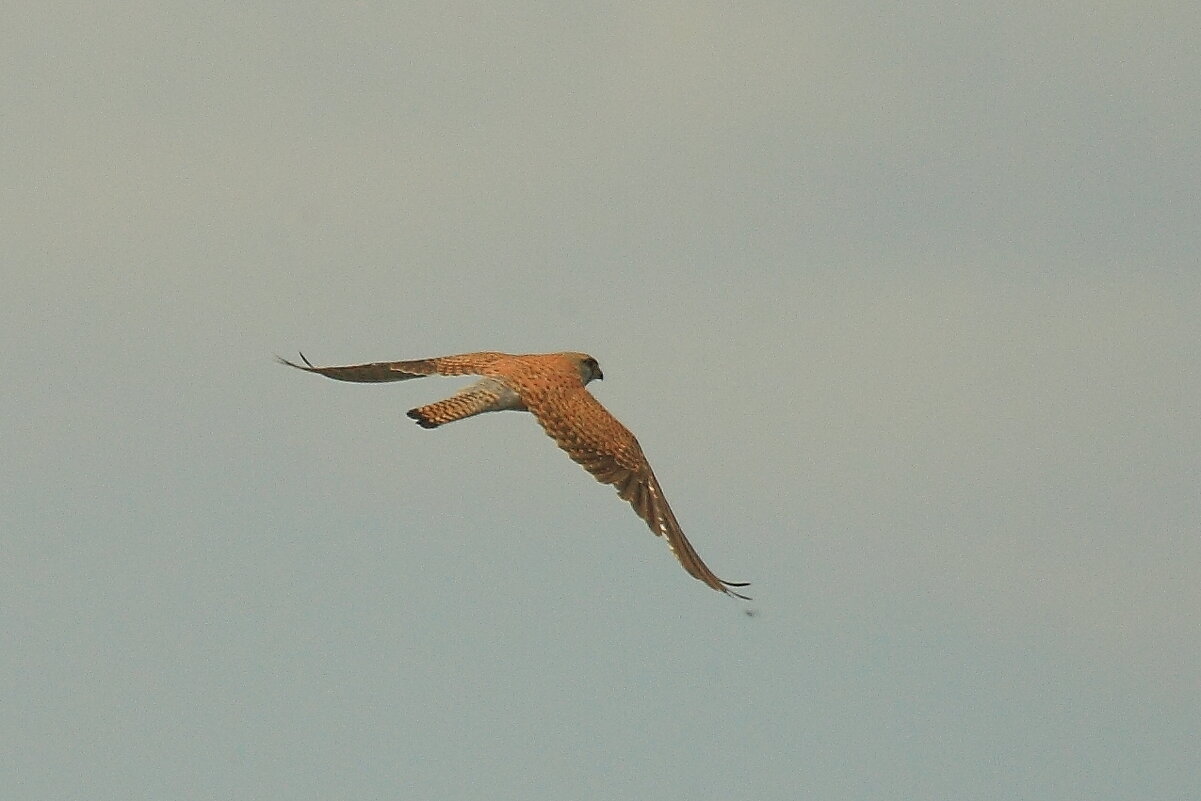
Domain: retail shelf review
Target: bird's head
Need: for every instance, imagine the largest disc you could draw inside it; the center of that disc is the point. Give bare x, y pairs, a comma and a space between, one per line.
588, 367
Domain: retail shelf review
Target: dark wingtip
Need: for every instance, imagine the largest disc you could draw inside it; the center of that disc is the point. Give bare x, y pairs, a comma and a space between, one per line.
726, 585
309, 364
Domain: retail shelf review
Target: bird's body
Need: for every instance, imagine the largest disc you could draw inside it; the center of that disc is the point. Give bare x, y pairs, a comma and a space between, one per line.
552, 387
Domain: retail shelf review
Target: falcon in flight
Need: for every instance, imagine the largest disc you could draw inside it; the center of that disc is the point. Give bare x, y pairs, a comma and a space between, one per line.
551, 386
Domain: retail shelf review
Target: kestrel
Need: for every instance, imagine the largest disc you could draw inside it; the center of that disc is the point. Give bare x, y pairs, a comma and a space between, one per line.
551, 386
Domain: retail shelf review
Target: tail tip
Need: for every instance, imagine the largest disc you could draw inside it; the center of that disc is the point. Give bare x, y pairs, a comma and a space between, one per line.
421, 419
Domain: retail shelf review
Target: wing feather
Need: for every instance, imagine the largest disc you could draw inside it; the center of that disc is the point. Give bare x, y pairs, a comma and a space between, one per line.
597, 441
376, 372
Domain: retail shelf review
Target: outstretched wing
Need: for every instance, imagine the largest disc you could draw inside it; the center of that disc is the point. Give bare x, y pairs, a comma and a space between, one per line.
605, 448
375, 372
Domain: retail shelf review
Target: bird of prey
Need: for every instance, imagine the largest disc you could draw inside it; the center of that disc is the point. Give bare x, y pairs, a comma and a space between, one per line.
551, 387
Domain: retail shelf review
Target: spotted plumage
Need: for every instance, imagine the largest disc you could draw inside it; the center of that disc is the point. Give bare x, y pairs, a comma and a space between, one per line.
551, 386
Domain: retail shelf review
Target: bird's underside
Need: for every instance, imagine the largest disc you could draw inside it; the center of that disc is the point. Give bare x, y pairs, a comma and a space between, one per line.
552, 387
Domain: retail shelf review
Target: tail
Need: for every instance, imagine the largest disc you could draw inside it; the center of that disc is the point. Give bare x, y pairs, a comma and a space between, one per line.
483, 396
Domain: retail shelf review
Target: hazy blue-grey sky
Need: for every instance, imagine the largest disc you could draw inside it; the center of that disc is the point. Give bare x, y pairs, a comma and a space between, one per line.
902, 300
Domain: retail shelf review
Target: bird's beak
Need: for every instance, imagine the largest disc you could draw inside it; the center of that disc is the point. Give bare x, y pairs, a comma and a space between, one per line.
599, 375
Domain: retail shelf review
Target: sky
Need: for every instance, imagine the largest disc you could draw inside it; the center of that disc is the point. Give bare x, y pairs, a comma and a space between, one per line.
902, 301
